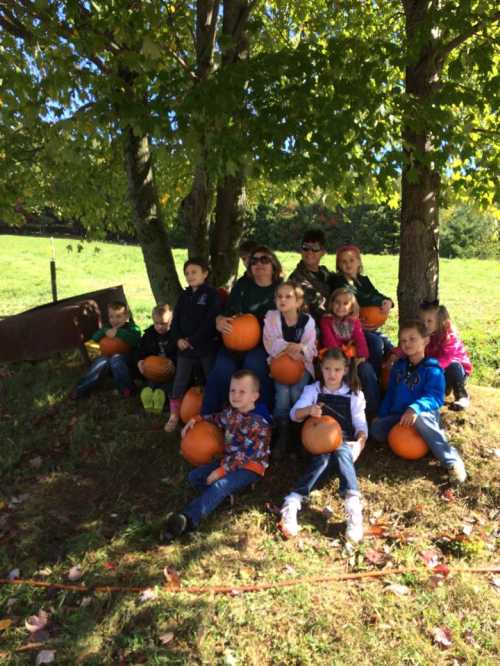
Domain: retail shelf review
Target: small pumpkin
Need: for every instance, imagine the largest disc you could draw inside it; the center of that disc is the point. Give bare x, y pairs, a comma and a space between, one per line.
372, 316
350, 350
406, 442
112, 346
191, 403
287, 370
202, 443
321, 434
245, 333
158, 369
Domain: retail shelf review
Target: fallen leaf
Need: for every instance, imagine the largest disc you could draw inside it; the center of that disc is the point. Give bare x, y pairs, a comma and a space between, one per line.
36, 622
495, 581
13, 574
75, 573
148, 594
467, 529
166, 638
399, 590
442, 636
442, 570
449, 495
374, 556
430, 557
86, 601
109, 565
376, 530
172, 577
36, 462
5, 624
45, 657
46, 571
288, 569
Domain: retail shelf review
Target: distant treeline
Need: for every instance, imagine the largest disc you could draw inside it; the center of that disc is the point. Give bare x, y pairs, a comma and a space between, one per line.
464, 231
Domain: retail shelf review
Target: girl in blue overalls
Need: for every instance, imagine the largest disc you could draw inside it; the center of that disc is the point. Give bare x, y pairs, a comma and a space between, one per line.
337, 394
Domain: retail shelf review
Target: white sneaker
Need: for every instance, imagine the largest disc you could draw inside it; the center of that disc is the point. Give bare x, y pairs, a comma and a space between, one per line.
354, 514
461, 404
288, 523
457, 472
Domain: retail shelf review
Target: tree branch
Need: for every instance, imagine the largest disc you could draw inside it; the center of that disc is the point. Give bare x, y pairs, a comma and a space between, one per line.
457, 41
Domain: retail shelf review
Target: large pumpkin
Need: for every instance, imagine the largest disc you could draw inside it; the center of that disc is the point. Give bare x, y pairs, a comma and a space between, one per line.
372, 316
407, 443
321, 434
191, 403
158, 369
202, 443
287, 370
112, 346
245, 333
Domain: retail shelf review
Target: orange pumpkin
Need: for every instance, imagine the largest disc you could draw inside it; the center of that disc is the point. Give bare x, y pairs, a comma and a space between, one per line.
202, 443
372, 316
407, 443
191, 403
158, 369
287, 370
245, 334
112, 346
321, 434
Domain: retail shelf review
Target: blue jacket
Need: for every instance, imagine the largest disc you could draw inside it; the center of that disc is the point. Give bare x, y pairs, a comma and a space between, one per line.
421, 390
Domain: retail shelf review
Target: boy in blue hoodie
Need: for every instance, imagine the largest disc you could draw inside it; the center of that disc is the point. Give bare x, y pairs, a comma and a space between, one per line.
414, 396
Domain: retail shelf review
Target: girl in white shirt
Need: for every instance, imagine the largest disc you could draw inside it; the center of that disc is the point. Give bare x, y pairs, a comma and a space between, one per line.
338, 394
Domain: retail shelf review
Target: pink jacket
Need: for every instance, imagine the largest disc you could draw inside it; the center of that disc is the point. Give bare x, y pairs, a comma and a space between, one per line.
330, 339
274, 343
448, 348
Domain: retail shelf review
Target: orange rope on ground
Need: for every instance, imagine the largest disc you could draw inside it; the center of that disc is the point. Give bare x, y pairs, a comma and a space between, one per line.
255, 587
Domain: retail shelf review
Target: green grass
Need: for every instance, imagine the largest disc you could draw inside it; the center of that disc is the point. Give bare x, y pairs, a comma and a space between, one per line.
98, 476
469, 287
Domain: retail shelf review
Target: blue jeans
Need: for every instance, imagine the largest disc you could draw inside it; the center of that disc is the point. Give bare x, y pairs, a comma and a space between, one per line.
324, 466
285, 396
378, 345
371, 388
456, 377
429, 427
215, 493
217, 386
117, 364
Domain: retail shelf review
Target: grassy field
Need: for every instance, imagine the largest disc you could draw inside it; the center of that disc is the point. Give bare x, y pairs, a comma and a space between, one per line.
87, 484
470, 288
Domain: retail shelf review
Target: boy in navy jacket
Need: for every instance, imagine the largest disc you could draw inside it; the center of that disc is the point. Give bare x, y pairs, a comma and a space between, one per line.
414, 396
193, 330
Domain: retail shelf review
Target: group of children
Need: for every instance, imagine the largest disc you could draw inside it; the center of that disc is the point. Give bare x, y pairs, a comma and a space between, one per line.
315, 320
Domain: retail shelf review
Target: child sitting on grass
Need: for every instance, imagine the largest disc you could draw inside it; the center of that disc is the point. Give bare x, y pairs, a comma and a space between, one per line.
449, 351
337, 394
156, 341
194, 333
349, 274
123, 329
414, 396
247, 434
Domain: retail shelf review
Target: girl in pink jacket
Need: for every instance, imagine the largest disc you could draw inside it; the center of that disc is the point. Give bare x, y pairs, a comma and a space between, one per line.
289, 330
341, 328
446, 346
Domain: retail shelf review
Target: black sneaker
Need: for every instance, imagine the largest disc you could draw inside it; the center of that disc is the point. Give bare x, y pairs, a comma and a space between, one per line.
176, 525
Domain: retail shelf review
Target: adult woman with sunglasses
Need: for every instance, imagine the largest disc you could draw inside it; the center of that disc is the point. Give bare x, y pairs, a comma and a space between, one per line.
313, 277
255, 296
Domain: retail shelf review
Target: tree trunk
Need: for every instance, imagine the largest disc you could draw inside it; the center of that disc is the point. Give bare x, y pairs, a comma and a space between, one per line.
197, 205
231, 200
226, 231
149, 227
420, 182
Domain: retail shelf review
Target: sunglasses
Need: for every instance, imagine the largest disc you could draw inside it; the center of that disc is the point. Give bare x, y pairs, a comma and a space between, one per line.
263, 259
310, 248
